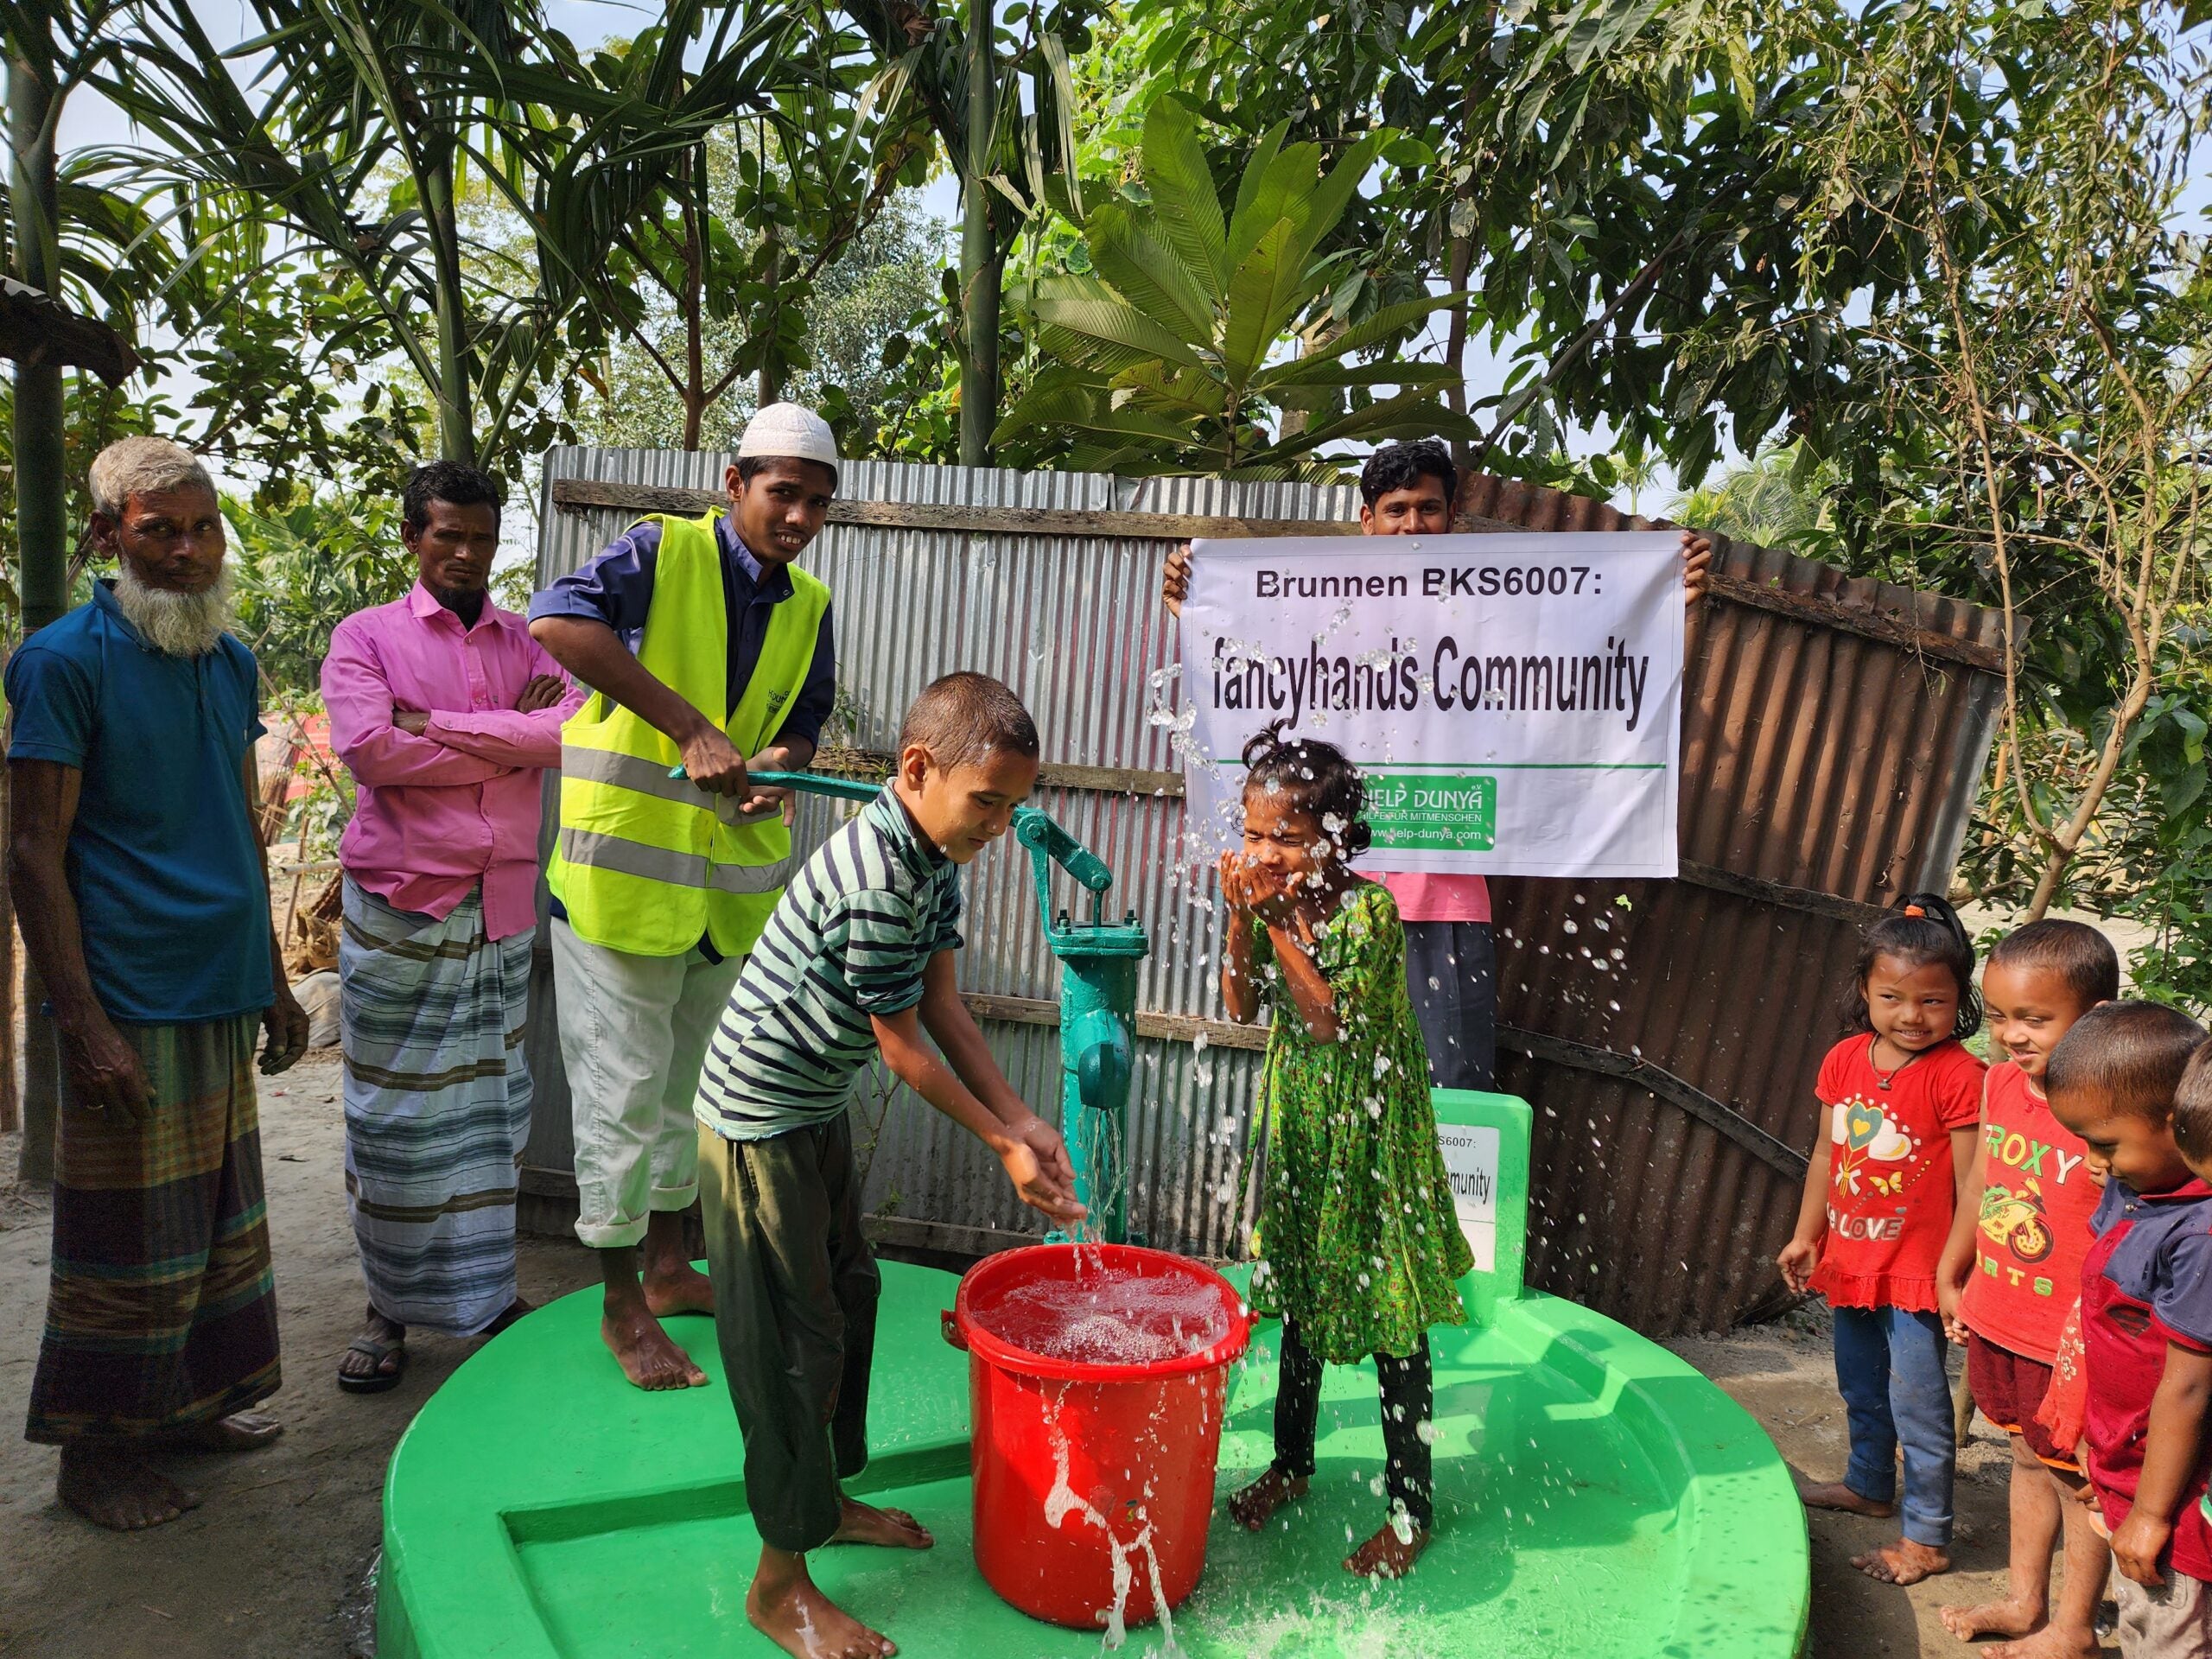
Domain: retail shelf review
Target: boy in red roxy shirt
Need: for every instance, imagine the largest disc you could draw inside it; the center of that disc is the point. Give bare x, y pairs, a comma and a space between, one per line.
2117, 1081
2011, 1276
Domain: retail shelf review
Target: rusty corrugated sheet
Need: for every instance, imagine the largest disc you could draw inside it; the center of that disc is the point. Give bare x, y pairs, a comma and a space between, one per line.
1813, 758
1819, 755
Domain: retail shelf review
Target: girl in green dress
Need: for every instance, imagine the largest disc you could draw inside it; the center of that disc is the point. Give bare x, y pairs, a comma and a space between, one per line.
1359, 1246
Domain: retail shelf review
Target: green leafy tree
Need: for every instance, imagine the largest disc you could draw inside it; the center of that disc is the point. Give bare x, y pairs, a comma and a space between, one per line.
2032, 400
998, 93
1606, 187
303, 568
1164, 356
372, 127
853, 311
1776, 499
693, 239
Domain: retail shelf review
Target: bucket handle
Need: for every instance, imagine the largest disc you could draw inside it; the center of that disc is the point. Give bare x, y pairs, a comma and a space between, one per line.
951, 1328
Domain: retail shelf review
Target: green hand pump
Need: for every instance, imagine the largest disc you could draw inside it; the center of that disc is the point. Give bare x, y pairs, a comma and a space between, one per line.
1098, 999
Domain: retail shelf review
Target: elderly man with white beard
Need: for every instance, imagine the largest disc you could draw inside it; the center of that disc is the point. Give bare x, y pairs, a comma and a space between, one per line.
142, 890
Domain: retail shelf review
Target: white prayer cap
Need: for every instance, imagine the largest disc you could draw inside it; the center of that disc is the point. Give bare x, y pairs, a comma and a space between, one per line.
791, 431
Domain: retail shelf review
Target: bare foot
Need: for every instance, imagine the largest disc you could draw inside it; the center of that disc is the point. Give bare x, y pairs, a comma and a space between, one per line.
2049, 1643
1252, 1507
805, 1623
1387, 1554
645, 1353
677, 1289
1903, 1562
1834, 1494
863, 1523
379, 1355
2014, 1616
117, 1489
241, 1431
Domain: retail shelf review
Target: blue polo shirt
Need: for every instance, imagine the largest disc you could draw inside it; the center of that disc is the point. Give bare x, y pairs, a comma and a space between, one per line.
170, 898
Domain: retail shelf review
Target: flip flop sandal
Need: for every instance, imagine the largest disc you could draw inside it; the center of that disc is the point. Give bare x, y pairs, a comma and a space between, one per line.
377, 1381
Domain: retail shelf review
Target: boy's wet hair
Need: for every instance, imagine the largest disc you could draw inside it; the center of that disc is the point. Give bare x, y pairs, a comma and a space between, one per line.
1925, 932
2193, 1107
2076, 952
2135, 1054
964, 718
1395, 466
1320, 782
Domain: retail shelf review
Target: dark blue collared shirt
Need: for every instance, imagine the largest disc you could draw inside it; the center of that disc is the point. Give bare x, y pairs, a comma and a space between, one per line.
617, 588
2164, 1259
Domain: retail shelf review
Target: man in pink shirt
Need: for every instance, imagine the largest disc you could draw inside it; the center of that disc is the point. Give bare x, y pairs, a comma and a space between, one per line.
1407, 489
447, 713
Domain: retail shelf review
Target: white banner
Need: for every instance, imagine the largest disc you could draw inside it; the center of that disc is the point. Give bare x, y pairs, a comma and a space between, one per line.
1514, 699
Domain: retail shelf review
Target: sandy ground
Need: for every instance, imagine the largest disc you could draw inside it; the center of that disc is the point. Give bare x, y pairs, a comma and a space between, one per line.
275, 1565
1785, 1375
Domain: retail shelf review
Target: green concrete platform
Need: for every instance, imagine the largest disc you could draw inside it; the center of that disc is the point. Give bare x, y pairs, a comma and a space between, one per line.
1595, 1496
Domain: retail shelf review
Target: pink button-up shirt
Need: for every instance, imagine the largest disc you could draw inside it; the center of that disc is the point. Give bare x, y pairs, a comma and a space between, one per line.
437, 814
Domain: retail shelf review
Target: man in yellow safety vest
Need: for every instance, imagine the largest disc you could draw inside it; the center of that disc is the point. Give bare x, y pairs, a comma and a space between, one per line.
706, 647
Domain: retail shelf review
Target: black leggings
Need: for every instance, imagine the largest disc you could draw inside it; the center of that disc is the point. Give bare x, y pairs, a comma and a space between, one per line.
1408, 1398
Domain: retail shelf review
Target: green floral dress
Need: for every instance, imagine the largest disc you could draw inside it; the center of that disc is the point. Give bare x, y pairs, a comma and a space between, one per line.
1358, 1242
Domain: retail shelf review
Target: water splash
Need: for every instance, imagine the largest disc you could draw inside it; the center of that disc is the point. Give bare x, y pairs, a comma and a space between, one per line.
1108, 1319
1063, 1501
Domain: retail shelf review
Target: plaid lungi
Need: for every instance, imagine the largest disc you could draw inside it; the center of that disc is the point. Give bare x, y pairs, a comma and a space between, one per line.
437, 1108
162, 1310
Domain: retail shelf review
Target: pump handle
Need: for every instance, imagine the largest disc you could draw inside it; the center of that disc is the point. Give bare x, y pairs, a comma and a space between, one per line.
1040, 835
1044, 839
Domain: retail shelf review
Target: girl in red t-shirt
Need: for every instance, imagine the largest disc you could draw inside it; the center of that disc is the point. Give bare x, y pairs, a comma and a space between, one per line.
1899, 1096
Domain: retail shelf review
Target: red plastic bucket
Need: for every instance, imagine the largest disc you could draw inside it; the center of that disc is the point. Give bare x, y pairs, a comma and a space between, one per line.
1094, 1477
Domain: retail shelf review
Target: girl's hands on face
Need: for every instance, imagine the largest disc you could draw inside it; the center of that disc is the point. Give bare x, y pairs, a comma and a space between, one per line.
1251, 889
1236, 884
1274, 899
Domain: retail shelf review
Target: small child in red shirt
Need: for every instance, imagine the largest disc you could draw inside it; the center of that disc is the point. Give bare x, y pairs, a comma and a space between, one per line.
2011, 1276
2119, 1080
1899, 1099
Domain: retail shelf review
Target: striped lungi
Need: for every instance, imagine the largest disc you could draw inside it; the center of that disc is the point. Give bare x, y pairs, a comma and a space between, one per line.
162, 1310
437, 1108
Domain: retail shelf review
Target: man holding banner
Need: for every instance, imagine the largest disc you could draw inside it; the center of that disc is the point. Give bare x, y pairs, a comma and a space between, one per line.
1293, 633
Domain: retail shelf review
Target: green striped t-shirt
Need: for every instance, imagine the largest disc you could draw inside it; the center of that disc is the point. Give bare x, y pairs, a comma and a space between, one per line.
848, 940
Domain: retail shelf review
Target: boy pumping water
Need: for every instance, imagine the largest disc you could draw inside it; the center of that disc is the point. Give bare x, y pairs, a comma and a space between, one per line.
856, 959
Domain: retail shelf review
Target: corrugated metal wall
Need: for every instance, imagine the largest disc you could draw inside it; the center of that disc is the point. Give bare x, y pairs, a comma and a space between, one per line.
1074, 625
1813, 757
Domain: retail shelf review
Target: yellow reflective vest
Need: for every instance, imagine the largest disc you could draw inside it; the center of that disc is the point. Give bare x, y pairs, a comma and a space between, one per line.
642, 862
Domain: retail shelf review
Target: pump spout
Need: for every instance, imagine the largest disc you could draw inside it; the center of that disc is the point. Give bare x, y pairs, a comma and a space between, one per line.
1100, 1044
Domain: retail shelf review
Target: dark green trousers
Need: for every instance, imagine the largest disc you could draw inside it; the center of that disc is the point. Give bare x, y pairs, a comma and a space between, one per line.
794, 1296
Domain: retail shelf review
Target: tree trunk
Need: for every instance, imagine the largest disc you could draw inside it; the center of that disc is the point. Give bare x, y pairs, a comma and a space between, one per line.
1463, 265
456, 420
771, 377
2066, 839
980, 258
695, 326
41, 515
